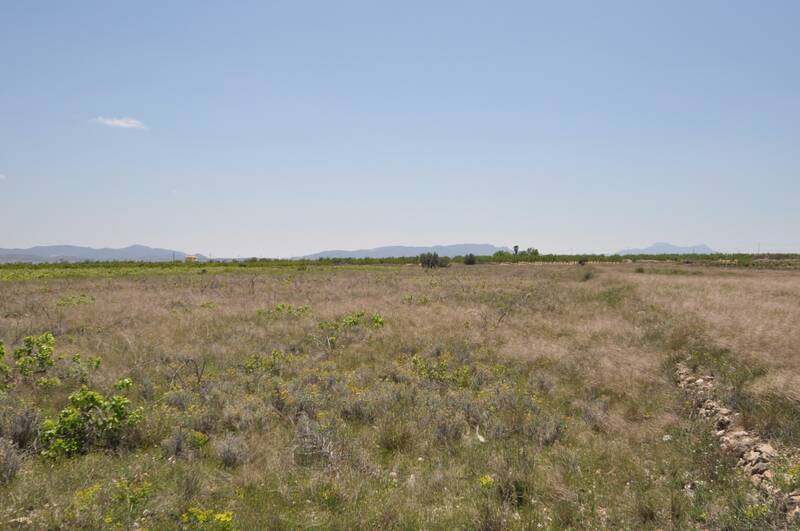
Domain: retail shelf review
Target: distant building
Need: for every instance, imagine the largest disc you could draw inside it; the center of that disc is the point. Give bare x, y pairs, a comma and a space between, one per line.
190, 258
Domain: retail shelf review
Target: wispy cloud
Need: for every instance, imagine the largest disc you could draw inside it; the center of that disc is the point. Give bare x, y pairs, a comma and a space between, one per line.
2, 177
125, 123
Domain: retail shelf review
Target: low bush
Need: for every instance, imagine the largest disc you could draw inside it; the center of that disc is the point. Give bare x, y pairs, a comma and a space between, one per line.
313, 444
36, 354
183, 443
9, 460
89, 420
231, 451
21, 427
395, 434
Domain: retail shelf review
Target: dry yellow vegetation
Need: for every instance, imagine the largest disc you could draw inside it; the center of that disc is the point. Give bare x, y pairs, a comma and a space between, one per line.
490, 396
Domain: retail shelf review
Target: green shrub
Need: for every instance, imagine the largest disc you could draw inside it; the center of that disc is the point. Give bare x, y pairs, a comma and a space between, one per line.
470, 259
5, 370
90, 420
35, 354
376, 321
439, 371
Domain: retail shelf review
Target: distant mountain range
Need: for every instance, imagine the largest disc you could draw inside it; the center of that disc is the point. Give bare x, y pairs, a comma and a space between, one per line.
142, 253
478, 249
667, 248
74, 253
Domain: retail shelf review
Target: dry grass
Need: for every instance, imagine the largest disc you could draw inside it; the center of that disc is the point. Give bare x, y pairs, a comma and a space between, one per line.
252, 408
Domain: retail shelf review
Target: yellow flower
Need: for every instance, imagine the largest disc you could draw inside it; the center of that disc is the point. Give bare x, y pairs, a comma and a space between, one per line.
225, 517
486, 481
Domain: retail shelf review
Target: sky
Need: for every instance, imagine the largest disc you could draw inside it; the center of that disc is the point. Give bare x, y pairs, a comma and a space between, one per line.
284, 128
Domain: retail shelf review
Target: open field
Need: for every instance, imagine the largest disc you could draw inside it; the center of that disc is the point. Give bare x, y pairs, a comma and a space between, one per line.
494, 396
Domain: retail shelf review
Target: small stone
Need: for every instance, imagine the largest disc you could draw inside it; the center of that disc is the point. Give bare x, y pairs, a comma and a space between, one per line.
767, 450
755, 457
758, 468
738, 434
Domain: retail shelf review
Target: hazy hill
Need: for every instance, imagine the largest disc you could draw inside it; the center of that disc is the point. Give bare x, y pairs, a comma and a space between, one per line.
74, 253
480, 249
667, 248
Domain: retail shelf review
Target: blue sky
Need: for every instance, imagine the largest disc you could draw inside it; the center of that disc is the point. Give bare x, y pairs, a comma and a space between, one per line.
276, 129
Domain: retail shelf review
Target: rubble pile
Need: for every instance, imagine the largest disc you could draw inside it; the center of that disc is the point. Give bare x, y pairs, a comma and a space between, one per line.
753, 453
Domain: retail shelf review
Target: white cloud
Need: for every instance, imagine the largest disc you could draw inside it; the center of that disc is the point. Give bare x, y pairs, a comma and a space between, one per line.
125, 123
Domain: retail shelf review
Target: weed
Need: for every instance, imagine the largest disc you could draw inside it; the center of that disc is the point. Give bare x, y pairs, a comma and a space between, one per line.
231, 451
21, 427
395, 434
197, 517
75, 300
376, 321
313, 444
9, 460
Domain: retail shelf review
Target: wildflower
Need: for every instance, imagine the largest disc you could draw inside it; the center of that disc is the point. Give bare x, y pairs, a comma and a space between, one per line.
225, 517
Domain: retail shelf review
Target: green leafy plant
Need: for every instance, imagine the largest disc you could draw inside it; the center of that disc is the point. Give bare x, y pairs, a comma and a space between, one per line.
122, 384
47, 382
376, 321
5, 370
36, 354
352, 320
439, 371
132, 493
78, 369
294, 311
89, 420
207, 518
75, 300
273, 364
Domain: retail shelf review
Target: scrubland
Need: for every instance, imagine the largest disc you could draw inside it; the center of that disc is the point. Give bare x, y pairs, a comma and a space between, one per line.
525, 396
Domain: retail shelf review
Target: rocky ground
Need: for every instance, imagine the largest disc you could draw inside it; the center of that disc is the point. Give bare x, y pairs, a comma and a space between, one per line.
754, 454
